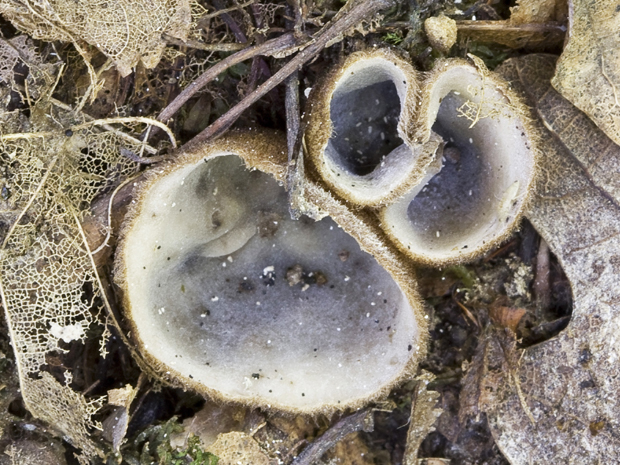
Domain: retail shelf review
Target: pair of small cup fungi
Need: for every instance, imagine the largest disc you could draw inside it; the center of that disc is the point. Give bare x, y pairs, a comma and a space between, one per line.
229, 296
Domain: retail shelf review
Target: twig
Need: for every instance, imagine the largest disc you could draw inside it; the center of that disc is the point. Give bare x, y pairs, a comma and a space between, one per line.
293, 124
128, 120
270, 47
505, 27
230, 22
291, 103
226, 10
360, 421
541, 280
107, 127
138, 159
341, 24
225, 47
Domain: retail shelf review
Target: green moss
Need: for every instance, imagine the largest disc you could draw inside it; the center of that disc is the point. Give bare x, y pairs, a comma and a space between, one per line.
152, 446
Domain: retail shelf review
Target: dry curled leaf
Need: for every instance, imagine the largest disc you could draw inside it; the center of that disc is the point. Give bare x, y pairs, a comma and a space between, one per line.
563, 404
506, 317
588, 72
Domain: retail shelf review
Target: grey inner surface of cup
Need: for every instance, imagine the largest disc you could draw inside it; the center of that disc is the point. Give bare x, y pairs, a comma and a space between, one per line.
365, 126
452, 203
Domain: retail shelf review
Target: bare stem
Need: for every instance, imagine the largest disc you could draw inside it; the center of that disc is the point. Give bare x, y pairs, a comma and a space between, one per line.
221, 47
271, 46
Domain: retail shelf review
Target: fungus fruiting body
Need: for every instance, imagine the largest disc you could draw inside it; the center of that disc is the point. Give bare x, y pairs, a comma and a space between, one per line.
359, 129
452, 178
229, 296
477, 197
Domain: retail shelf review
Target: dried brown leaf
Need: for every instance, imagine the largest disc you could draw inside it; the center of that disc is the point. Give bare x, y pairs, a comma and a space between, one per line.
588, 72
506, 317
566, 409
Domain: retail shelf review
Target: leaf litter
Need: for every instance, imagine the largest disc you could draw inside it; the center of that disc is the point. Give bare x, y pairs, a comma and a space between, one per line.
566, 387
491, 370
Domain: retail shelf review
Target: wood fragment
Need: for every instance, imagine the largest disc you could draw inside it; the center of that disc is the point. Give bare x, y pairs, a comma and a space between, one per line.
360, 421
541, 281
293, 123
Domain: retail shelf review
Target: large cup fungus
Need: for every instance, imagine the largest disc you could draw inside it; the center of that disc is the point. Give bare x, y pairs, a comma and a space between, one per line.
229, 296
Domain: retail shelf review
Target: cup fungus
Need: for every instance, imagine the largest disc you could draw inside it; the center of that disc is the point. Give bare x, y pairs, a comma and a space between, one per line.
477, 197
225, 294
359, 129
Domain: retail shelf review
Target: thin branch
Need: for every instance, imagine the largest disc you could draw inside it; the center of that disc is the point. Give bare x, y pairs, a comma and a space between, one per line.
128, 120
360, 421
293, 124
230, 22
504, 26
226, 10
341, 24
270, 47
107, 127
224, 47
291, 99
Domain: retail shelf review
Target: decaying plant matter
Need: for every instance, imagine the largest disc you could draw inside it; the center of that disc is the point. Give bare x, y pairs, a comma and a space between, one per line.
46, 261
148, 73
128, 32
579, 394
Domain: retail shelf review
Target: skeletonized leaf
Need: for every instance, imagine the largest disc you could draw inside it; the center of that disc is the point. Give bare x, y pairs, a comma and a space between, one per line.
127, 31
561, 402
588, 72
